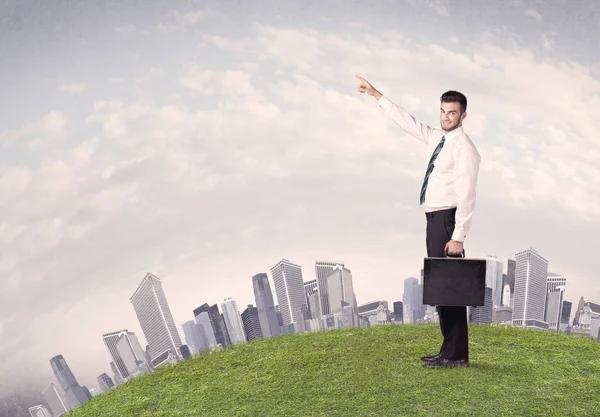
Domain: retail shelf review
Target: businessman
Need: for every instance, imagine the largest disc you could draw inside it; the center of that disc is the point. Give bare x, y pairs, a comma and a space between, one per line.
448, 199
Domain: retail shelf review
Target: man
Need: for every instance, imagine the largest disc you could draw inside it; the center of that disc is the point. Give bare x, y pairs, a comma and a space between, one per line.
448, 199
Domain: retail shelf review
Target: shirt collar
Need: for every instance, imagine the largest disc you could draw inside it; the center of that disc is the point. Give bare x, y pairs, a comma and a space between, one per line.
453, 133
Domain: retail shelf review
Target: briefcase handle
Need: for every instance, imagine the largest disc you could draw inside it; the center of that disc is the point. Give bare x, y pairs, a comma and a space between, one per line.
462, 255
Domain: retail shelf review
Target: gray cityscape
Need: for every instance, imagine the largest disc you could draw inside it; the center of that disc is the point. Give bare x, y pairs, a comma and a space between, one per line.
522, 292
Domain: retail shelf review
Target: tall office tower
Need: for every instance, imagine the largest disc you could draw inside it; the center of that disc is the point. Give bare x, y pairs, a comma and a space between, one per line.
289, 287
410, 298
269, 325
131, 344
506, 292
398, 312
56, 399
104, 382
204, 323
511, 266
556, 286
153, 313
340, 289
531, 276
314, 304
67, 381
188, 334
310, 286
322, 270
39, 411
580, 306
494, 271
215, 323
251, 323
484, 313
116, 374
566, 314
556, 280
233, 321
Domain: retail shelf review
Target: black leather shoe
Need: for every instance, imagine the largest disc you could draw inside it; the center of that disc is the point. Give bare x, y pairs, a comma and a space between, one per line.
429, 359
446, 363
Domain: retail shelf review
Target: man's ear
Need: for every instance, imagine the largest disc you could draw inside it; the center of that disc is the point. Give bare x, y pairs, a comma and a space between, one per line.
463, 116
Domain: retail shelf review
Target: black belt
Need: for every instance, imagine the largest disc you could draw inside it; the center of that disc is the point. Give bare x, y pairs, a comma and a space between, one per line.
435, 213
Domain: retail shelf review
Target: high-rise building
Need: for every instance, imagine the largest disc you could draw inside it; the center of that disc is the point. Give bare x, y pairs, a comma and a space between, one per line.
556, 286
251, 323
494, 271
484, 313
289, 287
398, 312
104, 382
340, 289
531, 276
39, 411
56, 399
217, 325
130, 347
204, 334
322, 270
155, 318
233, 321
265, 306
412, 299
555, 281
67, 381
566, 313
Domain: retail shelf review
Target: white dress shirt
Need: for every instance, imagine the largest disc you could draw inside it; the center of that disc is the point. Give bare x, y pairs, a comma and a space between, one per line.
453, 181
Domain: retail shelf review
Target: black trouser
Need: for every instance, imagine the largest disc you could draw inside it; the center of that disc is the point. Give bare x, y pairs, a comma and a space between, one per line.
453, 320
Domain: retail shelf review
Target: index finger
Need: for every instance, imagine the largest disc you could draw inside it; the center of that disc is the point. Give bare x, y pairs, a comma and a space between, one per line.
360, 78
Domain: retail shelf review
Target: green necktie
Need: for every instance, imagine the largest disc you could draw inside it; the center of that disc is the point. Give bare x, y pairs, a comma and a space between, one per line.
430, 167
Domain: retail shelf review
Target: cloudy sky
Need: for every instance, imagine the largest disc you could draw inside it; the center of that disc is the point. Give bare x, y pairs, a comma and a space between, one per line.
204, 142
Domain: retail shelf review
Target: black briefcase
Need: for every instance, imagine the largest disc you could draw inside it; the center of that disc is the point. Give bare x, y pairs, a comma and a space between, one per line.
454, 280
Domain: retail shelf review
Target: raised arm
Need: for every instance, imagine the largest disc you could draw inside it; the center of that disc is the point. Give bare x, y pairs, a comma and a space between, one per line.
399, 115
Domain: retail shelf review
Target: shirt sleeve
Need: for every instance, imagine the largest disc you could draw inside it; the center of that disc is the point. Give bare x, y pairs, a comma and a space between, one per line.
402, 118
466, 173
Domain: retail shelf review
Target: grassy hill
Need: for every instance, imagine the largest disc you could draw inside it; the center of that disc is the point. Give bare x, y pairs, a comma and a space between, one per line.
372, 372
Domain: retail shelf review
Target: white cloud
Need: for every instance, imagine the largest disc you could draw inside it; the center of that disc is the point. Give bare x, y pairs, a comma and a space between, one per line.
181, 20
73, 88
48, 130
534, 14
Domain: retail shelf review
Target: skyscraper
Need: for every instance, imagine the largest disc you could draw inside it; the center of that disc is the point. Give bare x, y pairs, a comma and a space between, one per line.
233, 321
322, 270
217, 325
269, 325
340, 289
494, 272
251, 323
411, 300
105, 382
39, 411
154, 315
132, 344
531, 276
67, 381
289, 287
56, 399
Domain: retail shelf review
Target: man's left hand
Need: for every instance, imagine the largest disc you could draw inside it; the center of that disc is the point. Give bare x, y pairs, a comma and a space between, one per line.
454, 247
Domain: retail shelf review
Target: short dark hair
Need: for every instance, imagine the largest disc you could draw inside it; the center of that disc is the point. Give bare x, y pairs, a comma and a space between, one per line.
455, 97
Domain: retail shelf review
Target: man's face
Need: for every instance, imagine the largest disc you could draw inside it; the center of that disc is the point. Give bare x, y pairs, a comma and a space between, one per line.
450, 116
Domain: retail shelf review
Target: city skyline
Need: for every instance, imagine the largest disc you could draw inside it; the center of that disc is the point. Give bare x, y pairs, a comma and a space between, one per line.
551, 277
188, 141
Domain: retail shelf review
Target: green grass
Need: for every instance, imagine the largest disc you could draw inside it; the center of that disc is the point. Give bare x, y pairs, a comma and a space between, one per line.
371, 372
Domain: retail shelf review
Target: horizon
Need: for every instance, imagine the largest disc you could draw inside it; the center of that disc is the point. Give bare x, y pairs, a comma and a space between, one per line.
205, 143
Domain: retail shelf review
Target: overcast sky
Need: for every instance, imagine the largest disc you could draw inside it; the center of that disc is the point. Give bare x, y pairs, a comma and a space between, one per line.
204, 142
